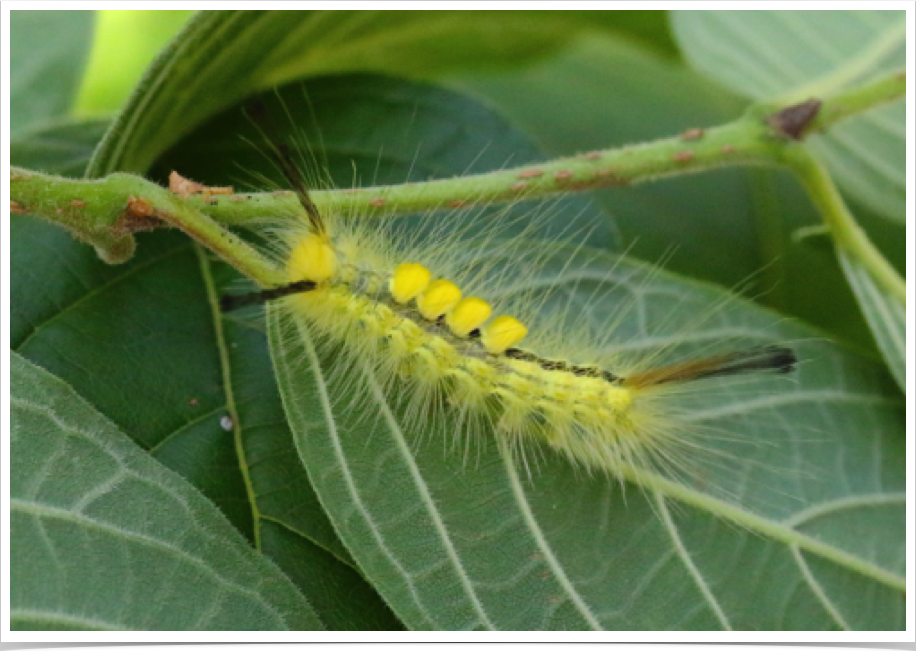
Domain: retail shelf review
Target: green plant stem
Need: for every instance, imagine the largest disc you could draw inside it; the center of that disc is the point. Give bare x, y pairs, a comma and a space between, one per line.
107, 212
745, 141
750, 140
103, 217
861, 98
846, 232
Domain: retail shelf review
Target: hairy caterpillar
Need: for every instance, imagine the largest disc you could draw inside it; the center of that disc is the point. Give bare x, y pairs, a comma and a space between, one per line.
422, 317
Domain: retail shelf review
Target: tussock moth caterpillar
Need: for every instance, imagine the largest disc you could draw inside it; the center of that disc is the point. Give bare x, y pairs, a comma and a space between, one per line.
426, 319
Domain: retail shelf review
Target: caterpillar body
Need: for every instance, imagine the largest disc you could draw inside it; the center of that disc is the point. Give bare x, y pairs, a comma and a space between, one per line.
435, 324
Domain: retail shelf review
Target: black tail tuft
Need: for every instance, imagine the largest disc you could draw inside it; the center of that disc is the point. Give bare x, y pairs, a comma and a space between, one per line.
759, 358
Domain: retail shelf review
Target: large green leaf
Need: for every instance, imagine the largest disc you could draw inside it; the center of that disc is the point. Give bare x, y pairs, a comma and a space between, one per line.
222, 56
48, 51
170, 370
601, 92
159, 376
126, 41
812, 472
803, 54
797, 55
98, 529
63, 149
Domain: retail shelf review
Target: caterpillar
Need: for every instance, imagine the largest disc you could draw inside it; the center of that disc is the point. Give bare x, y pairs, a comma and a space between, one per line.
424, 318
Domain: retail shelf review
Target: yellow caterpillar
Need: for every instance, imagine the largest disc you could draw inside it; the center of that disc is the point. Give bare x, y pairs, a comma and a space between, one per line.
423, 320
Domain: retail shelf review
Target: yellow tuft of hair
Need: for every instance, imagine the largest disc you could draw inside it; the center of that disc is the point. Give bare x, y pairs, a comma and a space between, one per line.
438, 299
502, 333
408, 281
469, 314
312, 258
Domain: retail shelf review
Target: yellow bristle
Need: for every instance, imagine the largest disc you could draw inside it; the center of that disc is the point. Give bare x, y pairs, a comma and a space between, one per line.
438, 299
468, 315
408, 281
503, 333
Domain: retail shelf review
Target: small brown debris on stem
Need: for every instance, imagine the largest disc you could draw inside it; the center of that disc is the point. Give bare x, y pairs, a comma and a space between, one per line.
17, 208
184, 188
530, 174
792, 121
692, 134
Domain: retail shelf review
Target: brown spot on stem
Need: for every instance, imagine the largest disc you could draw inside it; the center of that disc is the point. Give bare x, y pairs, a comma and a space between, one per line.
683, 156
378, 202
792, 121
530, 174
76, 203
58, 211
519, 186
17, 208
140, 216
728, 149
139, 207
609, 177
458, 203
592, 155
563, 175
692, 134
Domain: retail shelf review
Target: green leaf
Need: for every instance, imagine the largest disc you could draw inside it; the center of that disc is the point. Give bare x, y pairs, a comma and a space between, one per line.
885, 314
48, 51
164, 372
812, 472
98, 529
799, 55
602, 92
63, 149
221, 57
126, 42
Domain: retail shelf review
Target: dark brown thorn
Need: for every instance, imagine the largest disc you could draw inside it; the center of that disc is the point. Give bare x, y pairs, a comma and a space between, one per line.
230, 302
793, 120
